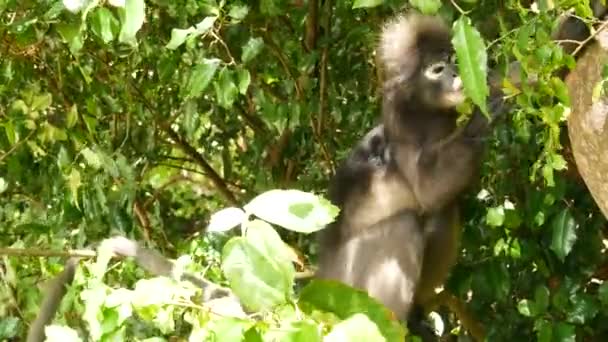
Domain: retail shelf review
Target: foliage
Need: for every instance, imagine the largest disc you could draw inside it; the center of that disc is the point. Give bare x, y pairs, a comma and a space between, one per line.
144, 118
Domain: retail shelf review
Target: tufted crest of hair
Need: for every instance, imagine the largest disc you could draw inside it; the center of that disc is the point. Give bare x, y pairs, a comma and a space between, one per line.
405, 38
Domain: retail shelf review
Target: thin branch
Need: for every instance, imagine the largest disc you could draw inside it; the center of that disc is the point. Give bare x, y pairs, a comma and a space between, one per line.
189, 150
312, 25
143, 219
463, 12
14, 147
37, 252
221, 41
593, 35
455, 305
278, 52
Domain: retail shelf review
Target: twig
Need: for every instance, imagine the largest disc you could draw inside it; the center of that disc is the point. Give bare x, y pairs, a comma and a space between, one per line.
312, 25
14, 147
200, 160
221, 41
458, 308
283, 61
593, 35
190, 151
36, 252
463, 12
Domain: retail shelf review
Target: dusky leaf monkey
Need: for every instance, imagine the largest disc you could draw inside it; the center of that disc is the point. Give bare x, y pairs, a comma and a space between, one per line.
149, 259
398, 231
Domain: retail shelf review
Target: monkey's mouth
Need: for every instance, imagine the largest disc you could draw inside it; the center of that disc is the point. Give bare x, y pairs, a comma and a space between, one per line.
452, 98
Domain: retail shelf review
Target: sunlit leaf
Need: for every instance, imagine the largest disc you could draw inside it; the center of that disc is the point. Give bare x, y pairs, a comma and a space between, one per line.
226, 219
57, 333
495, 216
427, 6
472, 61
201, 76
251, 49
344, 301
293, 209
3, 185
92, 158
258, 267
367, 3
134, 15
104, 25
72, 35
357, 328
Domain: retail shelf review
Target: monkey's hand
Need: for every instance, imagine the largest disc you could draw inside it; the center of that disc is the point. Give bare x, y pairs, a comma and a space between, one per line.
479, 126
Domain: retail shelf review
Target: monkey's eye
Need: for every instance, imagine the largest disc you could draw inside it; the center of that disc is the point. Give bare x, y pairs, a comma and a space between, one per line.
434, 71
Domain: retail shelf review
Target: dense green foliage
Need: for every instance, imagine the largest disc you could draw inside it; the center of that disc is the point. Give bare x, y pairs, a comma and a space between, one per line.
143, 118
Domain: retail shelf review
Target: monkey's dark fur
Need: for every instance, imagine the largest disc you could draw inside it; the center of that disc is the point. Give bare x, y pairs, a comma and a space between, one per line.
398, 231
148, 259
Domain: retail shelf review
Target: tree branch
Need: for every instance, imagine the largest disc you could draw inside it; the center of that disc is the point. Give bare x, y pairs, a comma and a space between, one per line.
200, 160
455, 305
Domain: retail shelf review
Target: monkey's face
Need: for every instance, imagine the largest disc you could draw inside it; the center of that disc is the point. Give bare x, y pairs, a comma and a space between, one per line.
440, 85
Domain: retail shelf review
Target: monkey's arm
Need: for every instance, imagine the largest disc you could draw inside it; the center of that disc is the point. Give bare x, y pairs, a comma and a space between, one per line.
441, 171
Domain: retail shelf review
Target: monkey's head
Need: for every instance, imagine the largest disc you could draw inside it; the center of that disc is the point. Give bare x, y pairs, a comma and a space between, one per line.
418, 60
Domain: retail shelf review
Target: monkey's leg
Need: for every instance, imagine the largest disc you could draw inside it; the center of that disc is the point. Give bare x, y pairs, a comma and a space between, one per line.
443, 231
385, 260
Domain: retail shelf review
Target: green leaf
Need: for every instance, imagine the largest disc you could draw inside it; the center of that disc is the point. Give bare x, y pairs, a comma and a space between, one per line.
57, 333
472, 61
238, 12
226, 219
92, 158
427, 6
495, 216
244, 79
201, 76
74, 6
134, 15
584, 308
367, 3
541, 298
526, 308
563, 332
298, 331
226, 91
178, 37
71, 34
357, 328
72, 116
205, 25
3, 185
544, 330
104, 25
293, 209
41, 102
251, 49
564, 234
74, 183
258, 267
603, 293
344, 301
558, 162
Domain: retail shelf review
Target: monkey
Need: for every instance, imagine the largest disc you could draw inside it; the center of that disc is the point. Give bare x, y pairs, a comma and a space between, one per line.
150, 260
398, 229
